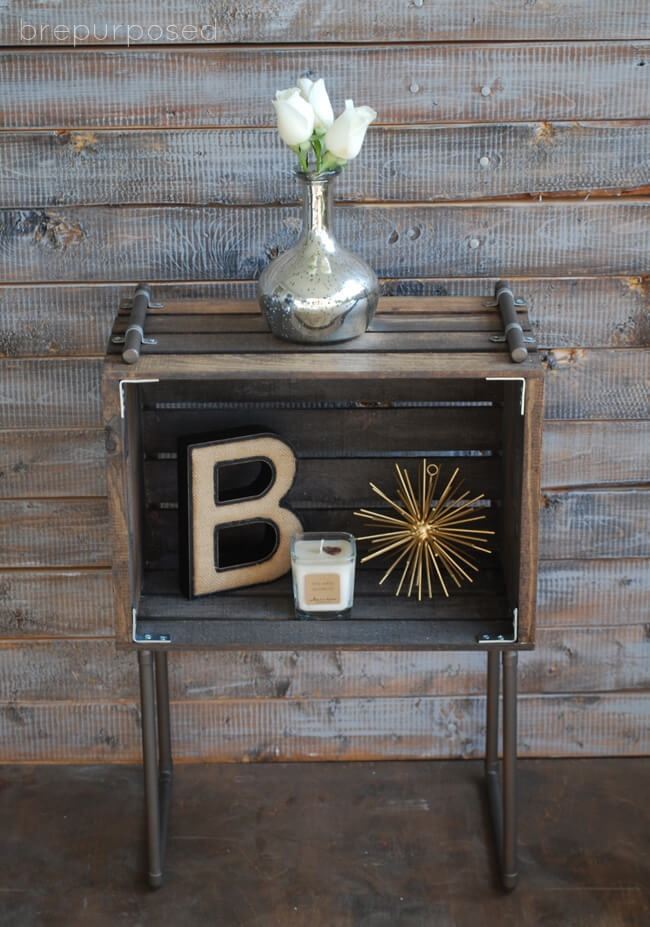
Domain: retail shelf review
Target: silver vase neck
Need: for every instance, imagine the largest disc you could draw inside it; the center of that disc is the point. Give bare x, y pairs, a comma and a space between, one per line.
317, 208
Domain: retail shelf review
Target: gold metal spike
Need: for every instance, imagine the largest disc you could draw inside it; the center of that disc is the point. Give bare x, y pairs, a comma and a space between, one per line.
425, 531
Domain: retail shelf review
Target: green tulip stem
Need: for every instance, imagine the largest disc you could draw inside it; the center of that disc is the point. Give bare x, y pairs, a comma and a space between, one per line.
330, 161
318, 151
325, 160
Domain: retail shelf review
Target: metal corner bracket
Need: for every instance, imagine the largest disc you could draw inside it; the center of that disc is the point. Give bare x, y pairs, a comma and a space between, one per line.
498, 339
128, 304
499, 638
120, 339
492, 304
123, 383
147, 638
522, 380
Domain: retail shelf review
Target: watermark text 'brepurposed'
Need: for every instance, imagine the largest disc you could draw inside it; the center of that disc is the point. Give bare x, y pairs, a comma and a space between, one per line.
130, 33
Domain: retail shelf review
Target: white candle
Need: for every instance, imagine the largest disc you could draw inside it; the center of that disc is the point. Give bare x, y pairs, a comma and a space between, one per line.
322, 566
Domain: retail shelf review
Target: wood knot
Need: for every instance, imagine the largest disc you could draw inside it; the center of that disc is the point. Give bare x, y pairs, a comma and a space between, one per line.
48, 228
562, 358
80, 142
543, 132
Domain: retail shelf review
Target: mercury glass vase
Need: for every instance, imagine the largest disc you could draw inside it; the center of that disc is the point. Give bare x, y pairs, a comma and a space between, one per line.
318, 291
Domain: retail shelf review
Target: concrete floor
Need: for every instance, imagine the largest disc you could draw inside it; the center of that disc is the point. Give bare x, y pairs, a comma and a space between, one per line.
337, 845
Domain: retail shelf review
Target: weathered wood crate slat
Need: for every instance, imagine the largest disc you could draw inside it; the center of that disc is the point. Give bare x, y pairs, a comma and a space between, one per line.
282, 730
497, 238
401, 164
330, 20
588, 659
200, 87
427, 384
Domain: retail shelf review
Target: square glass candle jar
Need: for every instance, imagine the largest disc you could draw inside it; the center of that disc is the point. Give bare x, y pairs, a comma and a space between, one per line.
322, 567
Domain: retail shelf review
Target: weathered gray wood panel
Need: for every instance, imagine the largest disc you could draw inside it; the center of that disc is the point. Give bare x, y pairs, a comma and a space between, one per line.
594, 524
410, 84
168, 243
58, 155
251, 166
328, 21
568, 660
587, 453
53, 603
52, 462
582, 384
581, 312
280, 729
589, 313
55, 393
592, 592
65, 533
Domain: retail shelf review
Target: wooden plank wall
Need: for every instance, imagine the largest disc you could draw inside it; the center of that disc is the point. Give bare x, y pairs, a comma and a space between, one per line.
512, 140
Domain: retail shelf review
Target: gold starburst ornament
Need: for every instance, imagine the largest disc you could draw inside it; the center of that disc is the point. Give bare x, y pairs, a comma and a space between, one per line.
428, 537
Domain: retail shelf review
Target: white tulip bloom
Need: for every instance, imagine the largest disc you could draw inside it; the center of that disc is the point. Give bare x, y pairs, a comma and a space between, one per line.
306, 124
295, 117
316, 94
345, 137
305, 85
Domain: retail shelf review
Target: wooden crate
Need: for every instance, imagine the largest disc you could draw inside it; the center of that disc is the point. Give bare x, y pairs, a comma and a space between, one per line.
426, 381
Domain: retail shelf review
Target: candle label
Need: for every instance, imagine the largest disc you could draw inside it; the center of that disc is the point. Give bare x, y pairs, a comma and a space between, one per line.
322, 589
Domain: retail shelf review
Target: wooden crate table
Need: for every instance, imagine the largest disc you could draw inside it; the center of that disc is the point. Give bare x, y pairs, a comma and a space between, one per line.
432, 378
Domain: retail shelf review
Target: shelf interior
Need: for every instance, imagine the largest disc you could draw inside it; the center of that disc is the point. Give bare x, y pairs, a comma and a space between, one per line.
344, 435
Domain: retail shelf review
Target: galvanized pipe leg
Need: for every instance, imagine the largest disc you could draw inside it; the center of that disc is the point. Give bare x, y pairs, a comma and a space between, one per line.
509, 866
165, 771
162, 702
492, 721
492, 778
502, 800
150, 763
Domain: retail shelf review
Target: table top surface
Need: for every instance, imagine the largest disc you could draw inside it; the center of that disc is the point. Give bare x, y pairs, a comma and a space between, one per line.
409, 337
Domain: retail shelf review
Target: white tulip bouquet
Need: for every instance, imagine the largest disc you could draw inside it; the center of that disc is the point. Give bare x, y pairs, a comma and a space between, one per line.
306, 124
